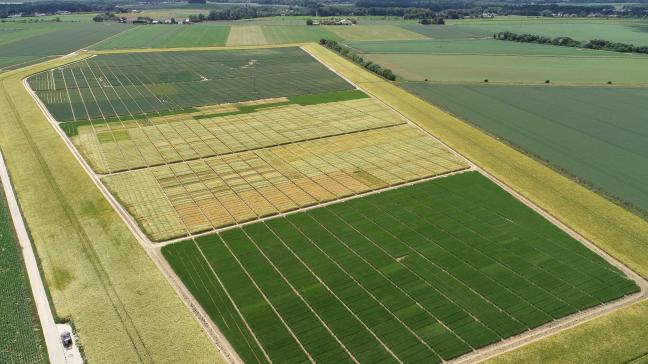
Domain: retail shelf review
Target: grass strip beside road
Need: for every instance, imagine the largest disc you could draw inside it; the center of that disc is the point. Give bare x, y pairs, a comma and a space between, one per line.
619, 337
98, 275
613, 229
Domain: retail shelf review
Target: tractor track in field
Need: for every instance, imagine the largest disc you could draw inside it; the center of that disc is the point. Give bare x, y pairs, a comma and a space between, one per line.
555, 326
112, 295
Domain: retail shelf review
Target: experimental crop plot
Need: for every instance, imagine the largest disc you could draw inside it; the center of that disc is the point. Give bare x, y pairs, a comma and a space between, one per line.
204, 194
119, 146
422, 273
131, 84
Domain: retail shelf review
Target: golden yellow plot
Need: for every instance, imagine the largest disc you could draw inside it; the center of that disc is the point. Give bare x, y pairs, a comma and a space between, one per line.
113, 147
215, 192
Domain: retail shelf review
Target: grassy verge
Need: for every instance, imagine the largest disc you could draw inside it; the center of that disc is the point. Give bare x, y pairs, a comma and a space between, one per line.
613, 229
98, 275
599, 341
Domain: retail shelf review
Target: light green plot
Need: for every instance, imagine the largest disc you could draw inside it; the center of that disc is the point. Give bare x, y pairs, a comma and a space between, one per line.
516, 68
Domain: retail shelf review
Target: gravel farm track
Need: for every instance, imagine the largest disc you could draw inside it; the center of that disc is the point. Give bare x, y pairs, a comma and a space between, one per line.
325, 57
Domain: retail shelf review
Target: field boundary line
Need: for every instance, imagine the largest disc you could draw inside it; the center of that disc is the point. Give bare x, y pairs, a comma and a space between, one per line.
213, 332
89, 47
306, 208
55, 351
191, 49
263, 294
550, 328
391, 282
230, 153
232, 301
296, 292
319, 279
363, 288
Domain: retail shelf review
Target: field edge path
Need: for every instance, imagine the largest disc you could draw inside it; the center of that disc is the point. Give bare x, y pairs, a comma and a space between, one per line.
55, 351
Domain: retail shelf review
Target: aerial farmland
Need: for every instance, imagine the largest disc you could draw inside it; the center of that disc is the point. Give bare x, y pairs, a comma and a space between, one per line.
347, 183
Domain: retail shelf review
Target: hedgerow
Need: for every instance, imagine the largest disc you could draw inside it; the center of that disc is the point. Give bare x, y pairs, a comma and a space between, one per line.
348, 53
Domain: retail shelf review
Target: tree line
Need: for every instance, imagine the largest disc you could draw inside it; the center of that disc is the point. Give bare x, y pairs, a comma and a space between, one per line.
599, 44
347, 53
51, 7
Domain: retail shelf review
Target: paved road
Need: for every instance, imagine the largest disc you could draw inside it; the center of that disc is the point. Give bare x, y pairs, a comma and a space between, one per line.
50, 332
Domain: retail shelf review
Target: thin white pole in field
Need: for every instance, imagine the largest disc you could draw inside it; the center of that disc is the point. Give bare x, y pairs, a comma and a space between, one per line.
50, 332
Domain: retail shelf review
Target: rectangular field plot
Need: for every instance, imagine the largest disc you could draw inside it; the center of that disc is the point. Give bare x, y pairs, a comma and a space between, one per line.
423, 273
585, 132
190, 197
110, 85
118, 146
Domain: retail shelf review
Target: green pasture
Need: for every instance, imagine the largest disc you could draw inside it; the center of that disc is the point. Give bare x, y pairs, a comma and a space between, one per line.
516, 68
373, 32
25, 43
21, 339
447, 31
128, 84
169, 36
477, 46
422, 273
597, 134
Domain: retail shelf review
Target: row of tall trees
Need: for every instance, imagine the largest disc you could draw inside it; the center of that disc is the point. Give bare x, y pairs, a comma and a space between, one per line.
600, 44
346, 52
51, 7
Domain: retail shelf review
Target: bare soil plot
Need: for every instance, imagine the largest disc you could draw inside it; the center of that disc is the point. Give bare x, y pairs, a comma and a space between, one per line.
201, 195
422, 273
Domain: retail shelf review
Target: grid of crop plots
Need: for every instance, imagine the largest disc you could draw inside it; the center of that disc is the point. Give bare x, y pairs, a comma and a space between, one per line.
119, 146
419, 274
111, 85
204, 194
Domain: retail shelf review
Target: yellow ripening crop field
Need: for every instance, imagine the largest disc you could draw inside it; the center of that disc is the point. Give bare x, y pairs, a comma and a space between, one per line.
204, 194
246, 35
113, 147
